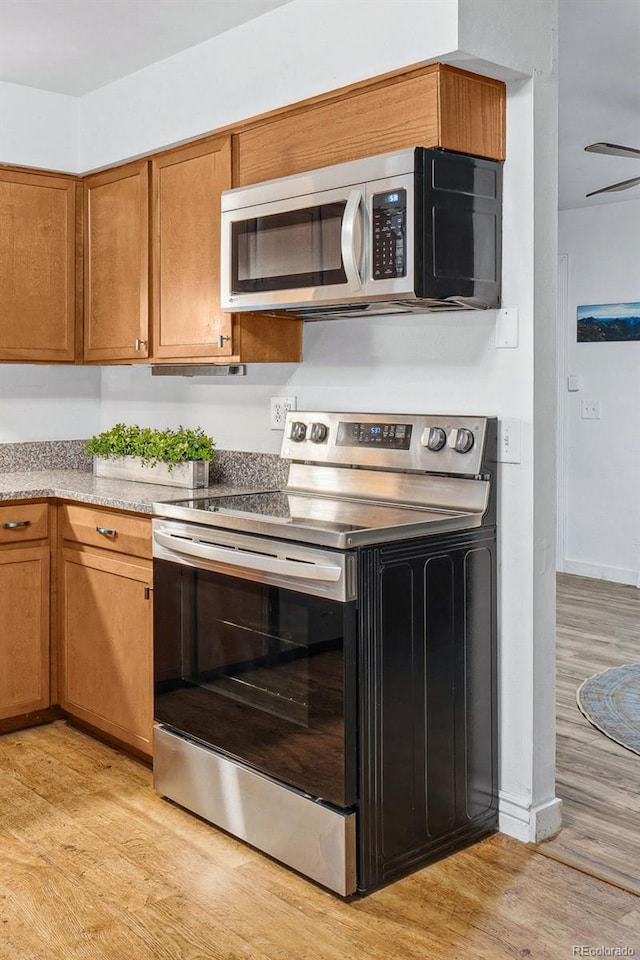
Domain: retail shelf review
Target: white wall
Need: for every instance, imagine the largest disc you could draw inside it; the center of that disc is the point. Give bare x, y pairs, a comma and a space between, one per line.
296, 51
523, 37
48, 403
602, 462
432, 363
403, 364
38, 128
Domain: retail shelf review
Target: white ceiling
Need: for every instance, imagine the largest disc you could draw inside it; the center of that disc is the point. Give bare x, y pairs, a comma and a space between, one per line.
599, 72
75, 46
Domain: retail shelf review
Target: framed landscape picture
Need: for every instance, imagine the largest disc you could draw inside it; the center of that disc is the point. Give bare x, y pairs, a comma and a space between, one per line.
598, 322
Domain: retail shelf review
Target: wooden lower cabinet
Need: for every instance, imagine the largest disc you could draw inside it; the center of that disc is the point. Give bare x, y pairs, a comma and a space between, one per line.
98, 666
24, 630
106, 644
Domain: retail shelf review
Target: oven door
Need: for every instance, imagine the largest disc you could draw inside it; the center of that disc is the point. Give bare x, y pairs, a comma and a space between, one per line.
255, 654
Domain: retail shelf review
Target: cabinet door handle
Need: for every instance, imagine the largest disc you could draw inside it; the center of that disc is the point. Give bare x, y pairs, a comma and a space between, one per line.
106, 532
14, 524
147, 593
139, 344
221, 341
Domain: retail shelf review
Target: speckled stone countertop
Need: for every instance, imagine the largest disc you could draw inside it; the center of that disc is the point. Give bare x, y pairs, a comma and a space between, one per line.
118, 494
59, 469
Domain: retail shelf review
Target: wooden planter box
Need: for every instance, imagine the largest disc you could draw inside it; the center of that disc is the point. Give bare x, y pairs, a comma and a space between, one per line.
193, 474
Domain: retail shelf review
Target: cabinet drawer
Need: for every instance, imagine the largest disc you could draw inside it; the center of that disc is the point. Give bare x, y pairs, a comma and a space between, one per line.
108, 529
24, 521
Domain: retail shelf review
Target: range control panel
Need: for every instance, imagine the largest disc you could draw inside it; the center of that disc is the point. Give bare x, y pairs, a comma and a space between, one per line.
412, 442
383, 436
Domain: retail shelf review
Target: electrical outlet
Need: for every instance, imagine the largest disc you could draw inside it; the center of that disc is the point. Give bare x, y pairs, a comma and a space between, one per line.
507, 327
279, 409
509, 441
590, 409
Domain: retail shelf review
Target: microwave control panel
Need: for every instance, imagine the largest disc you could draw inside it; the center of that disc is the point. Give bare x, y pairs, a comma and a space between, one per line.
389, 216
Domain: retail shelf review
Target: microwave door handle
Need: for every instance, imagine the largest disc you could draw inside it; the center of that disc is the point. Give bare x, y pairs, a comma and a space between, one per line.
348, 240
249, 561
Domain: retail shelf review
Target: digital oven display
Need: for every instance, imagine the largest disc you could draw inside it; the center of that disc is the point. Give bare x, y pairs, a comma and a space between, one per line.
389, 436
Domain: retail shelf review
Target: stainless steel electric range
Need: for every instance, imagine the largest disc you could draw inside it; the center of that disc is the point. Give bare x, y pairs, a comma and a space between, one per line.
325, 655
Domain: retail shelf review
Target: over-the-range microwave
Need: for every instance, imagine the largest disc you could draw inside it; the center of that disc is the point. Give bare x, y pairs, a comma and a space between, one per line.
411, 231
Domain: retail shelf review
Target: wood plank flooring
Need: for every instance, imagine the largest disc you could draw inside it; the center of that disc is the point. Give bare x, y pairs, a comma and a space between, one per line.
598, 780
94, 865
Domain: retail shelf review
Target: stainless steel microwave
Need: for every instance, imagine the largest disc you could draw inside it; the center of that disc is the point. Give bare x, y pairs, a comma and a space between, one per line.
412, 231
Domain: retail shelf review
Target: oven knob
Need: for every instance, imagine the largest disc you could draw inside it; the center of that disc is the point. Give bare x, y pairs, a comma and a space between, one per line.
434, 438
298, 431
318, 432
461, 440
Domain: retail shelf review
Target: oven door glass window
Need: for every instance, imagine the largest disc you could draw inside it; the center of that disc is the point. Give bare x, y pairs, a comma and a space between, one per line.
264, 674
290, 250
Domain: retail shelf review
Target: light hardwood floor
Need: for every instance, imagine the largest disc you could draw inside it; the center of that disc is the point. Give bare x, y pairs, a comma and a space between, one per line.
94, 865
598, 780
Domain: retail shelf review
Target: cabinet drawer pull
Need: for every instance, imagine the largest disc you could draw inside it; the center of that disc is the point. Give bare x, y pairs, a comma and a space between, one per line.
106, 532
14, 524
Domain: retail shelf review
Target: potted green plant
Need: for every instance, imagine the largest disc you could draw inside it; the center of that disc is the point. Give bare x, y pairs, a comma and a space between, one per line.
177, 458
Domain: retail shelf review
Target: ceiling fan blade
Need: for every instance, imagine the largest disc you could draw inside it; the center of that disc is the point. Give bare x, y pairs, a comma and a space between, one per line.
612, 150
623, 185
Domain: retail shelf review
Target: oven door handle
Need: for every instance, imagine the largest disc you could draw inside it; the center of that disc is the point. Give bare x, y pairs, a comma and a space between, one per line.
249, 561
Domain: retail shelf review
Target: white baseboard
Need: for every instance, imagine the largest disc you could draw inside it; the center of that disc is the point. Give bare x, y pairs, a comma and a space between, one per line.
599, 572
526, 823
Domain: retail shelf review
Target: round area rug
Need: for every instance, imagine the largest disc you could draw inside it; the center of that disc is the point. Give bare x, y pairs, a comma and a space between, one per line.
611, 702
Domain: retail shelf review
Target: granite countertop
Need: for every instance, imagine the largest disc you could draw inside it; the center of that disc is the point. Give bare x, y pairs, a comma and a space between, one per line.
118, 494
59, 469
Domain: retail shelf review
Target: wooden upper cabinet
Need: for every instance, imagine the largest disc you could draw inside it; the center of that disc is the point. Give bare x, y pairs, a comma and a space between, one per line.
434, 106
124, 236
186, 186
116, 264
37, 267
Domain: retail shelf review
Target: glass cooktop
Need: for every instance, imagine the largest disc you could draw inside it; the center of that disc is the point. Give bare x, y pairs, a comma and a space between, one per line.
269, 503
313, 519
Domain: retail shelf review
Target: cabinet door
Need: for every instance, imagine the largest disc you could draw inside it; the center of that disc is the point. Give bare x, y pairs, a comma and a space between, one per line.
37, 267
106, 641
186, 188
24, 630
116, 264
